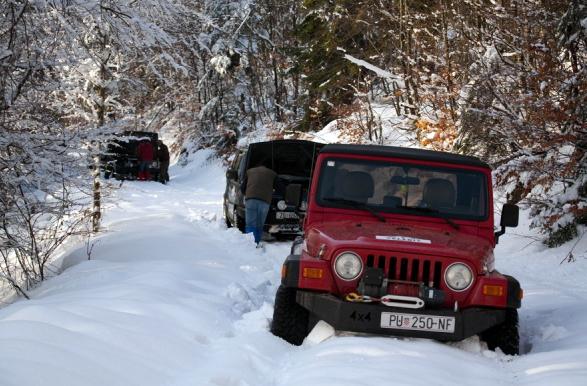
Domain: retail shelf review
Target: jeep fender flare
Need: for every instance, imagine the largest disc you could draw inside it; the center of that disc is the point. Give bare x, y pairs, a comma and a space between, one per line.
290, 271
514, 292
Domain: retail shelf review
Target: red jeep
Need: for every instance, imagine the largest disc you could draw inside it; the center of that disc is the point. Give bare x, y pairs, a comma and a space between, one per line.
399, 241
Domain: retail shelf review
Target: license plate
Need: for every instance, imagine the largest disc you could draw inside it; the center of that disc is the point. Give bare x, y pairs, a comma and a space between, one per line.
285, 215
432, 323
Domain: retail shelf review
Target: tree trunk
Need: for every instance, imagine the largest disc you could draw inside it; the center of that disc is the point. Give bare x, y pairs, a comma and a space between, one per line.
101, 115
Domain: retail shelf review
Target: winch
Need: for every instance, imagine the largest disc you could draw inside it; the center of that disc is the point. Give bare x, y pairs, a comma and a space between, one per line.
396, 293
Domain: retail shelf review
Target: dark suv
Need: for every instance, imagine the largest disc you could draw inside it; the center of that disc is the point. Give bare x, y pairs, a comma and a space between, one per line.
293, 161
120, 159
399, 242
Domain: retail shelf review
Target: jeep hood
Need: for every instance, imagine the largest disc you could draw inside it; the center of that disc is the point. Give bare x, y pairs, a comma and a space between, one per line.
438, 240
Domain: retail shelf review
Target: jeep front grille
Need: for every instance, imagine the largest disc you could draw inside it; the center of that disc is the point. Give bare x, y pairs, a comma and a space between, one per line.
416, 269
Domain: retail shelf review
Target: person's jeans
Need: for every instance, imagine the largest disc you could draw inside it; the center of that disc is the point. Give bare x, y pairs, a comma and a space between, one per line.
255, 215
144, 173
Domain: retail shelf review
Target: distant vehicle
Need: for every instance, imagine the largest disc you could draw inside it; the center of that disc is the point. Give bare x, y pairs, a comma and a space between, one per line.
120, 159
399, 242
293, 161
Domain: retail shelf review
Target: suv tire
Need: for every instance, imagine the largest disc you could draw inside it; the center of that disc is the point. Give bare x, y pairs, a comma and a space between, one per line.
226, 219
240, 223
504, 335
290, 320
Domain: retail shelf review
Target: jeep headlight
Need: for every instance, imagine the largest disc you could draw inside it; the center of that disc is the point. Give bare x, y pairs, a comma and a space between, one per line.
348, 266
458, 276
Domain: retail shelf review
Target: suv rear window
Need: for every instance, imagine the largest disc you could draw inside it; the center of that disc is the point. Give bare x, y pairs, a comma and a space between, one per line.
403, 188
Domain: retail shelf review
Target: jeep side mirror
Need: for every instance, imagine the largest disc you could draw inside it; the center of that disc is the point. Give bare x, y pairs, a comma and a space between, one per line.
509, 218
510, 215
293, 194
231, 174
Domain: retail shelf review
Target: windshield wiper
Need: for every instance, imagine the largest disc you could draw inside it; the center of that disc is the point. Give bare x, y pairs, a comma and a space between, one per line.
434, 212
355, 204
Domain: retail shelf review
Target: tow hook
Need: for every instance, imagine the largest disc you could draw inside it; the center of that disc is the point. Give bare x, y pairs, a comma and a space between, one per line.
402, 301
387, 300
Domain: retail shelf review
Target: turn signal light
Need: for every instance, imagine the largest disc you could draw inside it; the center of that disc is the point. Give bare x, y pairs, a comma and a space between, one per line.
493, 290
283, 271
313, 273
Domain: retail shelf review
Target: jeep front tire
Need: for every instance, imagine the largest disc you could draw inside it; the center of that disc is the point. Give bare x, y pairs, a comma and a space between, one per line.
290, 320
504, 335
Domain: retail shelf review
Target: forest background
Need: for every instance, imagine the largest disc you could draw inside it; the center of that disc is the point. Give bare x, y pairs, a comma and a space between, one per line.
502, 80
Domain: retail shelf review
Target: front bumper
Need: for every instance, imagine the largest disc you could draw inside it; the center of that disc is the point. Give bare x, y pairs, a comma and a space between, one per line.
366, 317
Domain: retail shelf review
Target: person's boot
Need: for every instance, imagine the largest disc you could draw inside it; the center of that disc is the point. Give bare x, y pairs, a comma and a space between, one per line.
252, 230
258, 235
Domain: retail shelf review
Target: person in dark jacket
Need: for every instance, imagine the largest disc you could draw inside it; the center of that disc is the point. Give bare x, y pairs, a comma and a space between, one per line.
163, 156
258, 188
145, 153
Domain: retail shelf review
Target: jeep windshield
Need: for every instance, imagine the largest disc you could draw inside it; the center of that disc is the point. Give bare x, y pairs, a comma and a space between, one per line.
403, 188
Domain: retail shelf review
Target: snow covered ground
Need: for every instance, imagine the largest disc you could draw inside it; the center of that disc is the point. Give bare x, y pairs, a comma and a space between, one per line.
172, 297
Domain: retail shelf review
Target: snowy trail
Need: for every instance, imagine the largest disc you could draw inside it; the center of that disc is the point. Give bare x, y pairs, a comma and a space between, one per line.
172, 297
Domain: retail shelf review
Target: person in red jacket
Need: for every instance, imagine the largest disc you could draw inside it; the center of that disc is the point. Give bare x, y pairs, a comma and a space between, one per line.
145, 152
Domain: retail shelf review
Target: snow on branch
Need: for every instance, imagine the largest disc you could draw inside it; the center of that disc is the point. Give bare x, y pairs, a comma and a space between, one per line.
379, 71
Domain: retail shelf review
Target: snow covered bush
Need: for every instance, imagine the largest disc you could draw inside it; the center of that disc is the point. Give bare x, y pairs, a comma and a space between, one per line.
43, 202
553, 185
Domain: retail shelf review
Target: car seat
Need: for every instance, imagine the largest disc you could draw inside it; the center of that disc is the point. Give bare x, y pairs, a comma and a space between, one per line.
357, 186
438, 193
